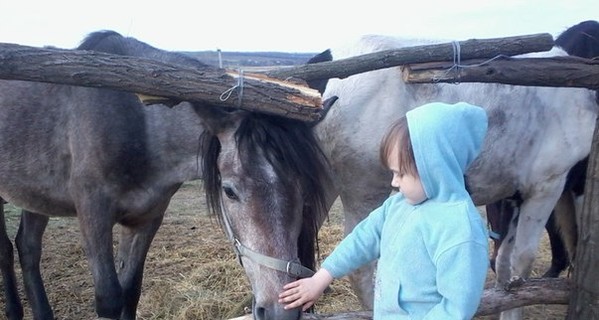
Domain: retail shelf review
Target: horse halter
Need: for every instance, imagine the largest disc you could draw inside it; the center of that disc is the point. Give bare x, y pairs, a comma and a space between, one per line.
290, 267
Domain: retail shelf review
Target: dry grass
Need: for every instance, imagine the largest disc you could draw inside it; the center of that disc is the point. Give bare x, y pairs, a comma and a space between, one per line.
191, 271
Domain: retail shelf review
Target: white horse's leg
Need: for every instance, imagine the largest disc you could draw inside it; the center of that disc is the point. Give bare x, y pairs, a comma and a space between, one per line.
534, 214
502, 262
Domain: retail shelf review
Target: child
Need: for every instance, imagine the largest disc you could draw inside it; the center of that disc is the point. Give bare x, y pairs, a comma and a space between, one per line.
429, 239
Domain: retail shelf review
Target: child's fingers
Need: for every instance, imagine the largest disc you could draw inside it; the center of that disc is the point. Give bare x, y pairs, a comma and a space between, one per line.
288, 292
291, 285
287, 296
295, 304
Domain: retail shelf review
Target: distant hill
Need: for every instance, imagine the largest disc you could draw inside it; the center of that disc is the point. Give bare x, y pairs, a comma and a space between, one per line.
232, 59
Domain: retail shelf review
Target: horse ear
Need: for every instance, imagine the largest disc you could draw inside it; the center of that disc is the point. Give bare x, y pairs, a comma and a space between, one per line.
326, 106
320, 84
218, 119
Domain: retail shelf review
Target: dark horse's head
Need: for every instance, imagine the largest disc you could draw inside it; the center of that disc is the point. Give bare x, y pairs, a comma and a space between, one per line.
264, 181
581, 40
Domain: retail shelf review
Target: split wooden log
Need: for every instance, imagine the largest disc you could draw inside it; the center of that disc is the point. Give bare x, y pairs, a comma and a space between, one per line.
494, 300
532, 292
254, 92
552, 72
469, 49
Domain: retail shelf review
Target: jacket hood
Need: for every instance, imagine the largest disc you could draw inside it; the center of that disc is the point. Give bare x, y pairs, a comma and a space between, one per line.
446, 138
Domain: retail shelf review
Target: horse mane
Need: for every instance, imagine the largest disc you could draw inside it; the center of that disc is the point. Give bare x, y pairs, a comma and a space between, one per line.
113, 42
104, 41
581, 40
292, 149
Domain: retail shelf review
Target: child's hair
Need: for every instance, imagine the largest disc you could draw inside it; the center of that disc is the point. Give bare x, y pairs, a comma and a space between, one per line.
398, 136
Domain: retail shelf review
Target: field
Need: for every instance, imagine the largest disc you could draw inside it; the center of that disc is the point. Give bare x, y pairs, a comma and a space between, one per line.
191, 271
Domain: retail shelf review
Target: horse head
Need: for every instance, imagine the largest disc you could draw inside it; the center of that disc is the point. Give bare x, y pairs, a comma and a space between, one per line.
263, 180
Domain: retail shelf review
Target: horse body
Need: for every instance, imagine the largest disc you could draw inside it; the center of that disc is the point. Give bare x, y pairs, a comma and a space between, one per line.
99, 155
529, 127
103, 156
581, 40
122, 156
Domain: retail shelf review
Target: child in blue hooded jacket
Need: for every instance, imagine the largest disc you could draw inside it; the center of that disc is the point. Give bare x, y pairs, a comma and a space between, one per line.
429, 239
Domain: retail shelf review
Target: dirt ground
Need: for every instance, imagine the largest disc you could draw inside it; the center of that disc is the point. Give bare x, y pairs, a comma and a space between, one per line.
191, 271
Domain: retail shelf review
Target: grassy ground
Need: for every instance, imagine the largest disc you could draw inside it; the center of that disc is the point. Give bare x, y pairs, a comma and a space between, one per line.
191, 271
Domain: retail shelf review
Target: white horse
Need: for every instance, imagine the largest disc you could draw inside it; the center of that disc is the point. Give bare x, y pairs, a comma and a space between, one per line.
536, 134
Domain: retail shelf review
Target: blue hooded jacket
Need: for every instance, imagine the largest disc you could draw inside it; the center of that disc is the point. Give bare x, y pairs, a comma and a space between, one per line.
433, 256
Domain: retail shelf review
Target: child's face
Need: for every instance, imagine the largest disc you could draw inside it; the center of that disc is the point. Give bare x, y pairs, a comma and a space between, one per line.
408, 184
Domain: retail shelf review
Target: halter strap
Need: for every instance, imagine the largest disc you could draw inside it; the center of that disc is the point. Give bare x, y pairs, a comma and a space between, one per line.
292, 268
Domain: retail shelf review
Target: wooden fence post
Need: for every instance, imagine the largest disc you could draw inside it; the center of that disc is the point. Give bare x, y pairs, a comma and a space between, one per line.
584, 297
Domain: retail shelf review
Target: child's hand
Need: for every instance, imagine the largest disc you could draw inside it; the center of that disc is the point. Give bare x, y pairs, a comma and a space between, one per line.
300, 293
305, 292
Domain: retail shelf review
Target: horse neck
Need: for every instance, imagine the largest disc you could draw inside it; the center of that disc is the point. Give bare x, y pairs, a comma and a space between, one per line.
173, 136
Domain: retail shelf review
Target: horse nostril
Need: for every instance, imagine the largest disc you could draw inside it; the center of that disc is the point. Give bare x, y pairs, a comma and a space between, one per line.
259, 313
274, 311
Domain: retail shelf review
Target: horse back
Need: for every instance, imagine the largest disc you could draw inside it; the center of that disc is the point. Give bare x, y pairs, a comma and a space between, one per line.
528, 126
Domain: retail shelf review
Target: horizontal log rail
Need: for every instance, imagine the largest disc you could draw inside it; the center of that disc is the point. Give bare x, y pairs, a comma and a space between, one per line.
464, 50
531, 292
265, 92
553, 72
155, 78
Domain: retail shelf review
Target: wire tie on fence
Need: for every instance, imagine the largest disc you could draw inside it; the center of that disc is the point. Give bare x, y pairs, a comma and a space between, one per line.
227, 93
457, 53
457, 62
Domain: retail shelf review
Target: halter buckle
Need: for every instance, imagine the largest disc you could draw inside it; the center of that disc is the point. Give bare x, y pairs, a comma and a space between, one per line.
294, 269
238, 246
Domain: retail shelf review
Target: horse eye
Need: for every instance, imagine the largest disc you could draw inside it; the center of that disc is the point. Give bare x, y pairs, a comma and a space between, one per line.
230, 193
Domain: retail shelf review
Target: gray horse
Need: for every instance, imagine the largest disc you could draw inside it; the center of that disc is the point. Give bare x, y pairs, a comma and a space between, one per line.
529, 129
104, 157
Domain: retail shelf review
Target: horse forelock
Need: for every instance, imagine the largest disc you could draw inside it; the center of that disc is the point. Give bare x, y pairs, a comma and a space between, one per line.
293, 151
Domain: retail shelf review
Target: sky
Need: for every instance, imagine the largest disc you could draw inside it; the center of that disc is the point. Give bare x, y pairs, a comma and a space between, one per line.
284, 26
